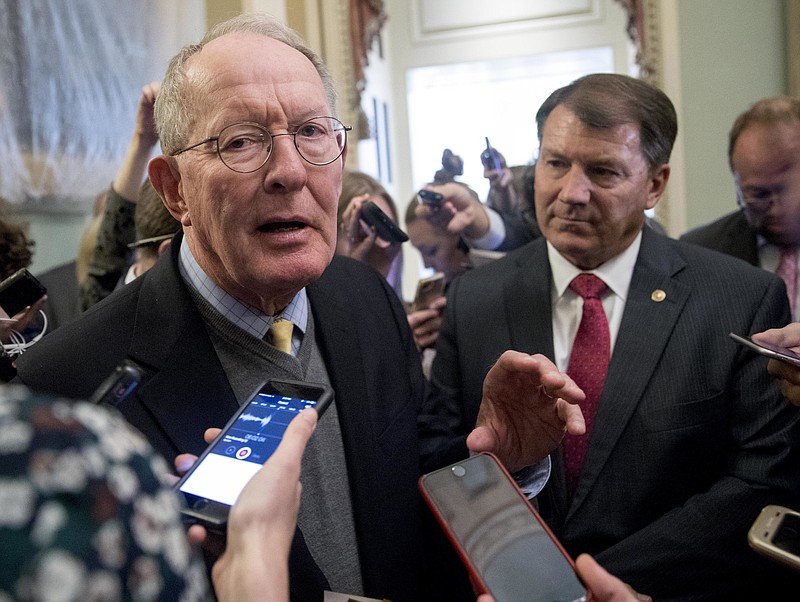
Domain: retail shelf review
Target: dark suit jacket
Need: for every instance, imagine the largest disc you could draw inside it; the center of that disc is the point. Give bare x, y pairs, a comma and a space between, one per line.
692, 437
374, 370
731, 234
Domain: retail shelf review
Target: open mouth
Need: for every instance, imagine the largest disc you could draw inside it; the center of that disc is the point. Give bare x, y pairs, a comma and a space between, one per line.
281, 227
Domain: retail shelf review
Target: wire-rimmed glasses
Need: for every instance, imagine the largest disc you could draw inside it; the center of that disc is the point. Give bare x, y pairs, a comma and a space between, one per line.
246, 147
758, 199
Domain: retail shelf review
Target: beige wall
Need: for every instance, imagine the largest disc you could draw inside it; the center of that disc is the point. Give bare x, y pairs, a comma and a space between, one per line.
732, 52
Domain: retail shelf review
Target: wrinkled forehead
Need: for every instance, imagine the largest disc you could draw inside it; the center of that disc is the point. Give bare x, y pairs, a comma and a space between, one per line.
251, 69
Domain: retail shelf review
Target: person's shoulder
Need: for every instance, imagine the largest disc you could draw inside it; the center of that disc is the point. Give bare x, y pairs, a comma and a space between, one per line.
701, 259
710, 231
520, 258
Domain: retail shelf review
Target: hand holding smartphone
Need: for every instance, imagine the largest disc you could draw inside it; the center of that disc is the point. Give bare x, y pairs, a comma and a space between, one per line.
779, 353
776, 534
20, 290
430, 197
384, 226
428, 289
215, 481
491, 158
509, 550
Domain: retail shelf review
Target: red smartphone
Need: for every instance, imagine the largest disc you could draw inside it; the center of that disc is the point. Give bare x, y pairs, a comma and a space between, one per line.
505, 544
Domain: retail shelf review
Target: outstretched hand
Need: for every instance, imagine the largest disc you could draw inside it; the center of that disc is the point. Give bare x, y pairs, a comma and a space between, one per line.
527, 407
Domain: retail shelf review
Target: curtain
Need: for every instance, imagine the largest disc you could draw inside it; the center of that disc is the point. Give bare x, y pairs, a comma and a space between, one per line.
70, 78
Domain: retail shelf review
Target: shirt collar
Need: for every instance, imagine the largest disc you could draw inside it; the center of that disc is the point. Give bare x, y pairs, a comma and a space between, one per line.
616, 272
243, 315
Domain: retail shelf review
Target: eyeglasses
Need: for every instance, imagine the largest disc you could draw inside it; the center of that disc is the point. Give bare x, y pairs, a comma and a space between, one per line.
246, 147
757, 200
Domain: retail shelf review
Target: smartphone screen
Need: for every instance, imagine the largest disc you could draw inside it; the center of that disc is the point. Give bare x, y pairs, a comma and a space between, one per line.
787, 537
250, 438
498, 534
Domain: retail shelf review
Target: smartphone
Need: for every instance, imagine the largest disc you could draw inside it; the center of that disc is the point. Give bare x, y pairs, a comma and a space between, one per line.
430, 197
384, 226
509, 550
215, 481
491, 158
427, 290
779, 353
776, 534
20, 290
119, 384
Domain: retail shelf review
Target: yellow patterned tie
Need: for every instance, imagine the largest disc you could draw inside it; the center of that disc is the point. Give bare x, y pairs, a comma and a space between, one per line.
280, 335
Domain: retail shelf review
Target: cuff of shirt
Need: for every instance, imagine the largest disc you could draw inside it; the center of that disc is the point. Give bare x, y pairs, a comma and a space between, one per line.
532, 479
494, 237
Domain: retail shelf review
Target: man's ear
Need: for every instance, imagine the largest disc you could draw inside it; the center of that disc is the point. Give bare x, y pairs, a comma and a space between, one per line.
163, 246
166, 179
658, 184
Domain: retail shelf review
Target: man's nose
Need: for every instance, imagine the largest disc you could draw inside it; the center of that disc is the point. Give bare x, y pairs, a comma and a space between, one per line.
575, 186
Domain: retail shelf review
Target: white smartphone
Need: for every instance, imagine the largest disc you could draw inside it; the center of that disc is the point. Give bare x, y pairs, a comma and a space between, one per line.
507, 547
776, 534
771, 351
215, 481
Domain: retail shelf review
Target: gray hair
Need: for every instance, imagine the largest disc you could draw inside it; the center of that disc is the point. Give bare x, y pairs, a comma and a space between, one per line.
172, 108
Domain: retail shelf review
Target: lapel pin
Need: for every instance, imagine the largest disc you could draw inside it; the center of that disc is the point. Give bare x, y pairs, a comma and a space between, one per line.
658, 295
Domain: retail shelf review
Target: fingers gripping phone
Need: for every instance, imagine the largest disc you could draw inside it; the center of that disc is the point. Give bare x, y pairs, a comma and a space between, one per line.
503, 541
20, 290
384, 227
771, 351
776, 534
215, 481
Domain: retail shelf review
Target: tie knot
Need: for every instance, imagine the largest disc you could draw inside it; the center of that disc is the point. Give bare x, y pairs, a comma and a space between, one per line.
588, 286
280, 335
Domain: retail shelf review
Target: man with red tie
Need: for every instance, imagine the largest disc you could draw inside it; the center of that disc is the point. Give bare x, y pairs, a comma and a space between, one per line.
687, 437
764, 156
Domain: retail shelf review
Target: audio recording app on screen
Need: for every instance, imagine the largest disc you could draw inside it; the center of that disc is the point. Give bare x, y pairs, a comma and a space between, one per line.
244, 448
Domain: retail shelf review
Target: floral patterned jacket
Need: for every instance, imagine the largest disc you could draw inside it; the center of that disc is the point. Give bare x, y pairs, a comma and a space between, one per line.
83, 512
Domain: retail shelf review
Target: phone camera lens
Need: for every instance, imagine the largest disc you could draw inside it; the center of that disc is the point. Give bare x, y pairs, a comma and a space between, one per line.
459, 471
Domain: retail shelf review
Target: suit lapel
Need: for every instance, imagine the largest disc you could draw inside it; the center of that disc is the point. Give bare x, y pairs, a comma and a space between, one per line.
336, 332
526, 299
183, 364
655, 301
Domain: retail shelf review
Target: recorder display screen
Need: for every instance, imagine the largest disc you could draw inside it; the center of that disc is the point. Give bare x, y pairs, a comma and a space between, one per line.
240, 453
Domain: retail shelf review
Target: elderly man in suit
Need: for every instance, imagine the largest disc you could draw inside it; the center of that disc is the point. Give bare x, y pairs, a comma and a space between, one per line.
764, 156
252, 169
687, 438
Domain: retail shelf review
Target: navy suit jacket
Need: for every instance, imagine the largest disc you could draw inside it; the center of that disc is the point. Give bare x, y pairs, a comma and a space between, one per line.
692, 436
373, 366
731, 234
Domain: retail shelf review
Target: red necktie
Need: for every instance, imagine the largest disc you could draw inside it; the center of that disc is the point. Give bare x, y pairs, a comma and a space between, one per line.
588, 366
787, 270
